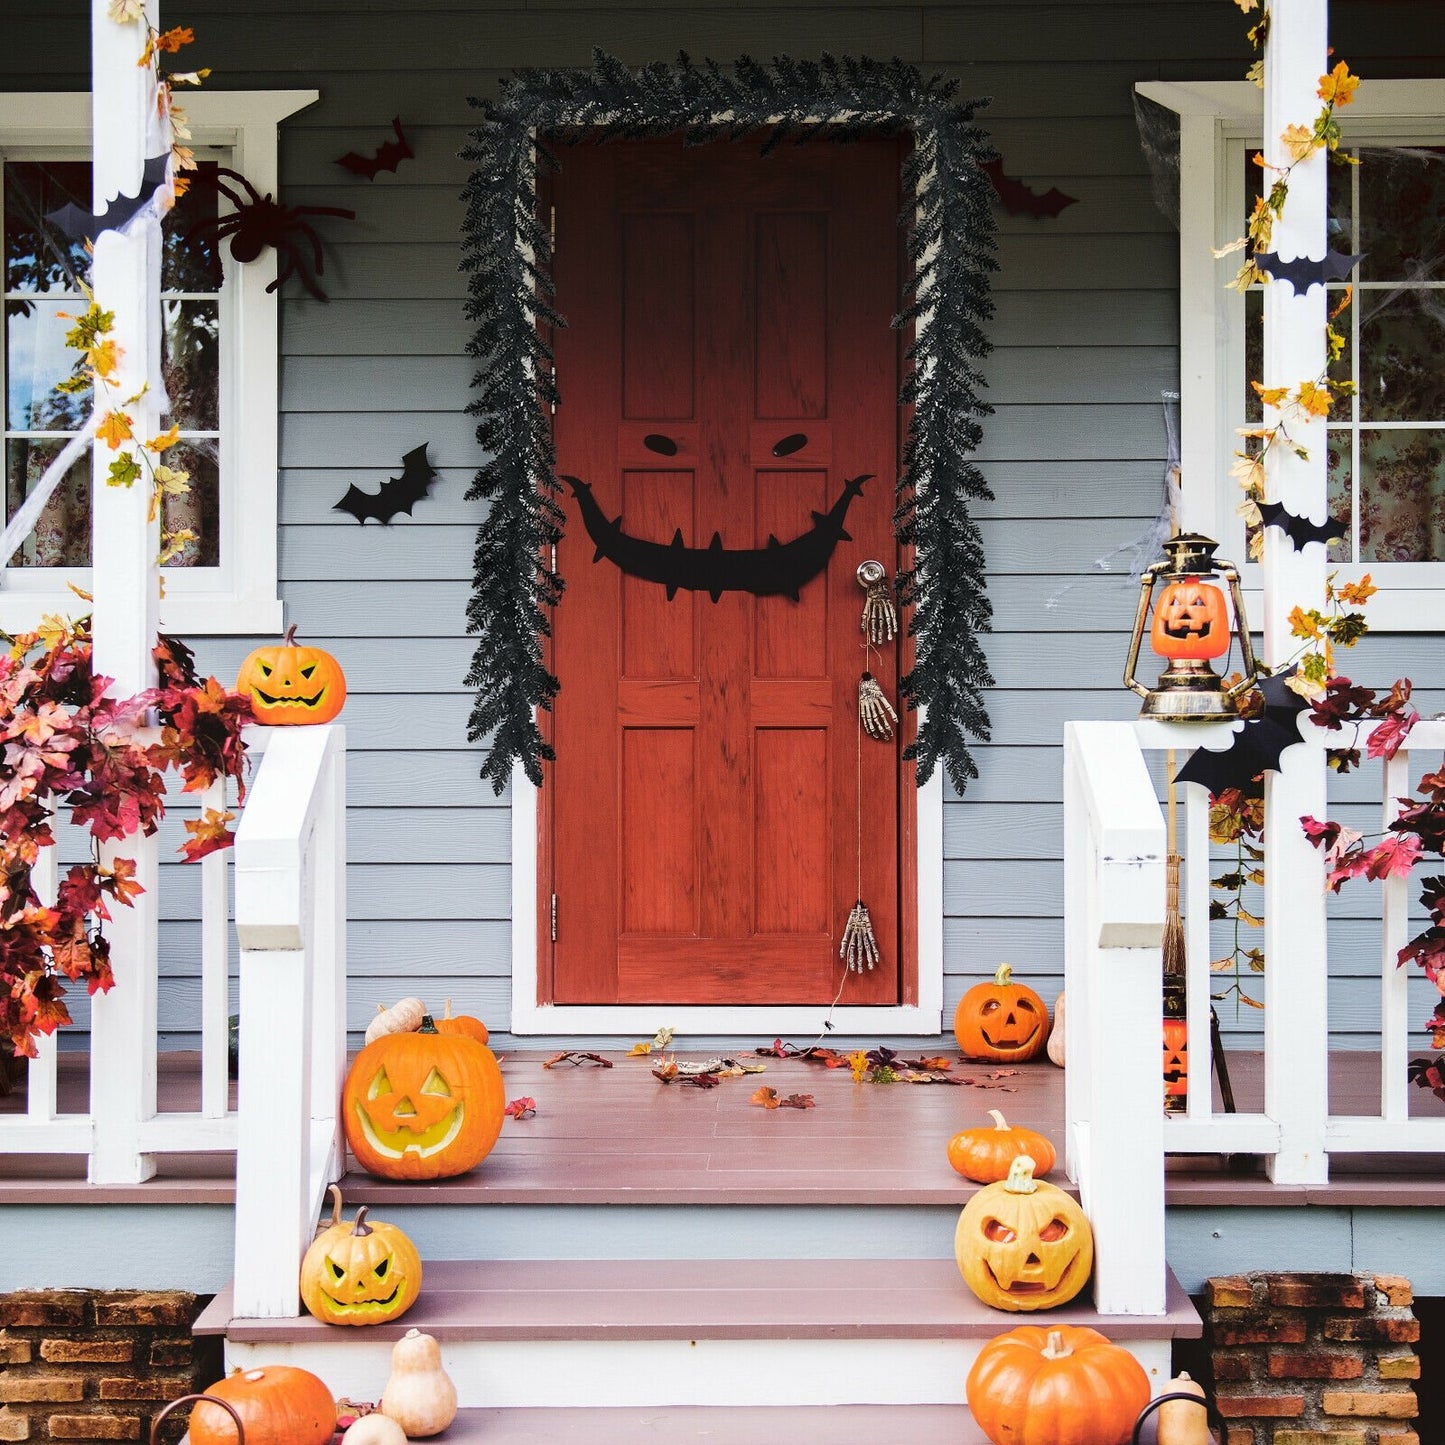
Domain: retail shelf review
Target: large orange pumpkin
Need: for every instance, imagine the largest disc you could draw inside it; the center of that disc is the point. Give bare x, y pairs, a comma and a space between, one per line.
278, 1405
1191, 621
985, 1154
288, 683
1067, 1385
422, 1105
1001, 1020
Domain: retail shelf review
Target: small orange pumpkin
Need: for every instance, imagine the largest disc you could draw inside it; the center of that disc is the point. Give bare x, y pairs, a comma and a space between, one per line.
467, 1025
278, 1405
422, 1105
1066, 1385
1191, 621
288, 683
1001, 1020
985, 1154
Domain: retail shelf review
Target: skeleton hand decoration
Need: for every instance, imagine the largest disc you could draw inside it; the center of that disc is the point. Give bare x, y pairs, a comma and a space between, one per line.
859, 947
880, 616
874, 709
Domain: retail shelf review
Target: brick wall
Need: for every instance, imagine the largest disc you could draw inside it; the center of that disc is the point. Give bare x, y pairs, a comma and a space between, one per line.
1313, 1359
89, 1365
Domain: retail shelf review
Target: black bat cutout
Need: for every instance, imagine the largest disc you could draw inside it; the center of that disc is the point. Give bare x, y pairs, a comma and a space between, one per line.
779, 569
1300, 530
398, 494
80, 225
387, 157
1256, 747
1303, 273
1018, 200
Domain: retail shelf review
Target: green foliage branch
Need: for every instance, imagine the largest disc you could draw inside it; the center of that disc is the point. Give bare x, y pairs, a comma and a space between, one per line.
507, 253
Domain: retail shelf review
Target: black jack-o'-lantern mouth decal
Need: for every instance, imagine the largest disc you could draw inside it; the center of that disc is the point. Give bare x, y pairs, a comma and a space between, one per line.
778, 569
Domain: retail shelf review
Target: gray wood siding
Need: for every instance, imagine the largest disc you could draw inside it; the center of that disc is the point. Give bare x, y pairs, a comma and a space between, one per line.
1086, 340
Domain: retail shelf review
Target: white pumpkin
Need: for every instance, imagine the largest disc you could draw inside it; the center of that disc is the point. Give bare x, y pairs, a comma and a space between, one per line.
419, 1396
403, 1017
1056, 1034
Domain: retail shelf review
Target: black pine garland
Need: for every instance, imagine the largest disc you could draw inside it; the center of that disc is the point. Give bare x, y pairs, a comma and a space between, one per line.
507, 254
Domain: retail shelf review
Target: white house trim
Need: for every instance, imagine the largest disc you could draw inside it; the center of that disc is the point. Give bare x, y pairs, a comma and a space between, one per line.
241, 595
1215, 119
810, 1020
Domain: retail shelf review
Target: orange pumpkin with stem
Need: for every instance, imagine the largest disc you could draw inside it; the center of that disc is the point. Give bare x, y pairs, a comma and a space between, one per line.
289, 684
278, 1405
986, 1153
467, 1025
1065, 1385
422, 1105
1001, 1020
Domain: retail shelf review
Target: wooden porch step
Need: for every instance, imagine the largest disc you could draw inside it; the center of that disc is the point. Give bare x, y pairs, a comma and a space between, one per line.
633, 1333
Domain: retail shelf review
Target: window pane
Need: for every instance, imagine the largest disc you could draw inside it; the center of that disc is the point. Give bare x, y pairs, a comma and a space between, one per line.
198, 510
1402, 213
1338, 503
1402, 495
1253, 353
190, 260
36, 359
191, 365
62, 535
37, 257
1402, 337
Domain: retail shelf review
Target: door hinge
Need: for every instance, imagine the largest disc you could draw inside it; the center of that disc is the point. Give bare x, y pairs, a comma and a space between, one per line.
554, 918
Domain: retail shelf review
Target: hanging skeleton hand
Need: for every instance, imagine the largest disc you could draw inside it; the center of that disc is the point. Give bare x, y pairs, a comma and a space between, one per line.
859, 947
874, 709
880, 616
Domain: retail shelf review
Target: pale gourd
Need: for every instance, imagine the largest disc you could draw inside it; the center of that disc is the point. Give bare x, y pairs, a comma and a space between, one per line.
1181, 1423
1056, 1034
375, 1430
419, 1396
403, 1017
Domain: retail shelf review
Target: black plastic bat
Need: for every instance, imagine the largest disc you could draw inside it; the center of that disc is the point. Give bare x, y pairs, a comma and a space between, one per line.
1256, 747
388, 156
1300, 530
1303, 273
80, 225
778, 570
1018, 200
398, 494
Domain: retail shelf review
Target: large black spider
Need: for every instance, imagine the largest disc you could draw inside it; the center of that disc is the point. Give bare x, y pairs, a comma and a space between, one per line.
258, 222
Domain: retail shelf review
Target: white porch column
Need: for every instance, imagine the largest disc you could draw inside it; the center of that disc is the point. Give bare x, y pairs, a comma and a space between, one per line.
125, 277
1296, 1014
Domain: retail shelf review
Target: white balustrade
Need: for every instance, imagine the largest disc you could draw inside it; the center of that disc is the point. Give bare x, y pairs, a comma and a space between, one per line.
291, 921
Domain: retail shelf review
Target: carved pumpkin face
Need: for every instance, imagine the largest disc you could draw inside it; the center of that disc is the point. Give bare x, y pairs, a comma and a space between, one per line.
289, 684
423, 1105
1001, 1020
1023, 1245
1191, 620
362, 1277
1176, 1064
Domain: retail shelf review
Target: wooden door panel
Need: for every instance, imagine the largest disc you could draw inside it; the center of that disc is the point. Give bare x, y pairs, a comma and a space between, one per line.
728, 365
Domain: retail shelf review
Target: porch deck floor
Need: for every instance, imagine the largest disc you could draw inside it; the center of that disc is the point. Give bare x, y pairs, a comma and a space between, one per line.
618, 1135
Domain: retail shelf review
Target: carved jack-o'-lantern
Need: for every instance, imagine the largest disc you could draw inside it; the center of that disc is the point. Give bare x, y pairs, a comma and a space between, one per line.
422, 1105
1176, 1065
366, 1276
1001, 1020
1191, 620
288, 683
1023, 1244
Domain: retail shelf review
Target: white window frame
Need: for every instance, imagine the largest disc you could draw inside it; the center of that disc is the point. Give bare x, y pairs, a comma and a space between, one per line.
242, 594
1217, 121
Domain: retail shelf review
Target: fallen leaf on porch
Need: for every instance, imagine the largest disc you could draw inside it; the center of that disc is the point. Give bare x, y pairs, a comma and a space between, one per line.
523, 1107
797, 1101
572, 1056
666, 1071
882, 1074
662, 1038
700, 1081
858, 1062
927, 1076
765, 1096
813, 1054
932, 1065
637, 1050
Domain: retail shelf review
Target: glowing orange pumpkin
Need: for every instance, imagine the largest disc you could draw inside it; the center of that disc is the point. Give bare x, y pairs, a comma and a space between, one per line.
1001, 1020
1191, 621
288, 683
362, 1275
422, 1105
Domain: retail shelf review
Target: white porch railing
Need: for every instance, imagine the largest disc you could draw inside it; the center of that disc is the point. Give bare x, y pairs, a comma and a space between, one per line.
1114, 848
291, 920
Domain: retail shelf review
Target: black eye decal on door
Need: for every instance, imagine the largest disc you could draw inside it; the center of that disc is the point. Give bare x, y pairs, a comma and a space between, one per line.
663, 446
790, 444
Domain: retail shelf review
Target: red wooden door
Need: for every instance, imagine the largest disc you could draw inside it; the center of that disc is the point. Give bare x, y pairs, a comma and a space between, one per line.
727, 366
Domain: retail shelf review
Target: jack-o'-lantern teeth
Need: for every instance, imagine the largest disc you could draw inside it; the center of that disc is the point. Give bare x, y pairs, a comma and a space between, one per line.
1188, 628
288, 699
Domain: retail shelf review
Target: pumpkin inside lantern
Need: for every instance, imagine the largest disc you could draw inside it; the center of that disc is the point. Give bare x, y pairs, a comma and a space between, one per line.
1176, 1064
1191, 621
